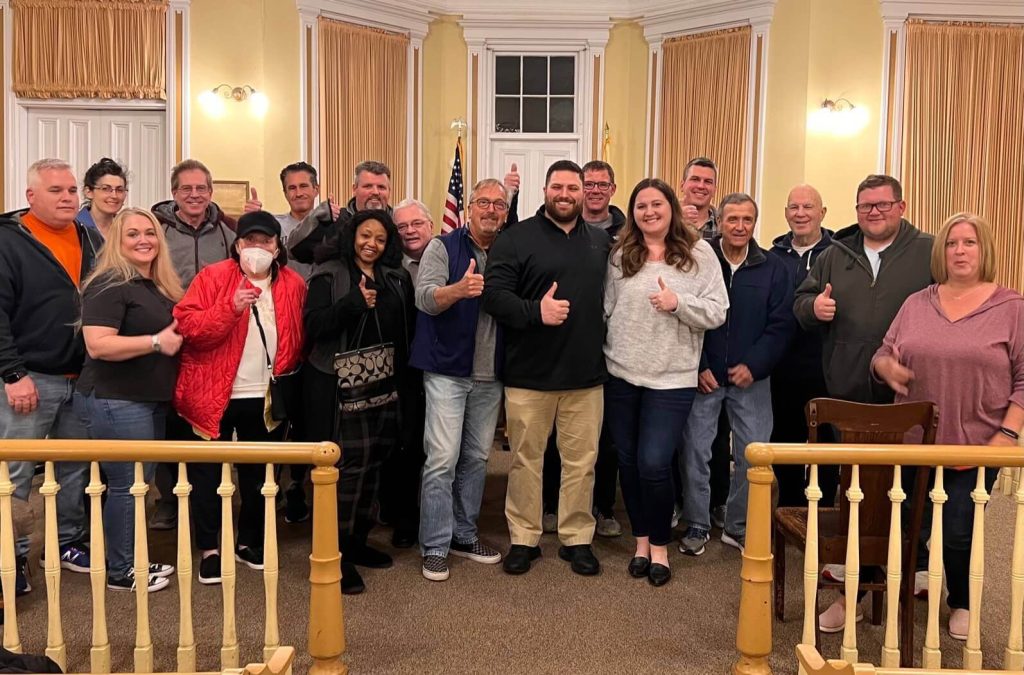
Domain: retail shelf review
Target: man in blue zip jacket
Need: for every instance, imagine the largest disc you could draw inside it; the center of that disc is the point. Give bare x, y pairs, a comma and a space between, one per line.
736, 362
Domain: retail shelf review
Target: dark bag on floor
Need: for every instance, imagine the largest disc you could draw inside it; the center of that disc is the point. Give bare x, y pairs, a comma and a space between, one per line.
26, 663
285, 390
366, 376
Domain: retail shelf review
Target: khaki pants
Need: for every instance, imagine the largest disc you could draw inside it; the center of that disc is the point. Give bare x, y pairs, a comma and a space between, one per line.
576, 415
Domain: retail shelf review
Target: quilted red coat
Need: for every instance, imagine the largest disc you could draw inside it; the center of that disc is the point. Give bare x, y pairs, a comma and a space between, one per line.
215, 337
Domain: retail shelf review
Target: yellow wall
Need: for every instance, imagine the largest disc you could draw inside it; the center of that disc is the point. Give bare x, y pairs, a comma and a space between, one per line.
444, 95
820, 50
254, 42
625, 105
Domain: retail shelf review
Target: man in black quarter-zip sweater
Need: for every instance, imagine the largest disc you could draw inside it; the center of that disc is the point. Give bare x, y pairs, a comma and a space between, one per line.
544, 283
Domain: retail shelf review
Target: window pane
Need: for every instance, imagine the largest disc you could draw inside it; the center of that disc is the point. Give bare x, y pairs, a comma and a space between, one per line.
561, 115
535, 74
506, 114
535, 115
563, 78
506, 75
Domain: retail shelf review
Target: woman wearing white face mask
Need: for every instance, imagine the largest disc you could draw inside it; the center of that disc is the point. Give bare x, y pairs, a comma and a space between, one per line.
242, 324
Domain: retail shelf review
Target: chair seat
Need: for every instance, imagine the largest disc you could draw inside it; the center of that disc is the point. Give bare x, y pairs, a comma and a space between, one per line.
791, 522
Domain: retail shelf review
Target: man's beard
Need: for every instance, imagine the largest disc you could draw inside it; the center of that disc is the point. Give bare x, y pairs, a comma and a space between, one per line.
551, 210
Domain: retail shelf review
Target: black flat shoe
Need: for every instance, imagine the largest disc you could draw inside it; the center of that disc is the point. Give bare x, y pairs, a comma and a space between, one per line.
639, 567
351, 581
403, 538
519, 558
659, 574
582, 557
367, 556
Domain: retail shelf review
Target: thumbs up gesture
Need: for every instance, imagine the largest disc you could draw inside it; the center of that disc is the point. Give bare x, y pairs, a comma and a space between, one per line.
471, 285
824, 305
253, 203
512, 180
369, 295
553, 312
665, 300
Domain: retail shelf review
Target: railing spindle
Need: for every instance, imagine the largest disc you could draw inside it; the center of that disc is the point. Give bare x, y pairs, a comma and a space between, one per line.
855, 496
55, 647
8, 563
272, 635
891, 647
143, 640
186, 636
972, 649
99, 654
326, 612
1004, 483
811, 571
932, 656
229, 649
1013, 657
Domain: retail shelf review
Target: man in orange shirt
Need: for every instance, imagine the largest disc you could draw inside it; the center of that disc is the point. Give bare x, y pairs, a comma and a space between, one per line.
44, 256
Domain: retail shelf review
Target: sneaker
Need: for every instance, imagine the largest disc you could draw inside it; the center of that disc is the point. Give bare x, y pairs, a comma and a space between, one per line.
477, 552
836, 573
718, 517
127, 582
295, 508
160, 570
959, 621
250, 556
677, 515
833, 619
209, 570
21, 583
72, 557
607, 526
921, 584
165, 517
737, 541
549, 523
693, 541
435, 567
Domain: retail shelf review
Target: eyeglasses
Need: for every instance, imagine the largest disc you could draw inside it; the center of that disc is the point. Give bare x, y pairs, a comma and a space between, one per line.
600, 187
107, 189
194, 189
484, 204
883, 207
402, 227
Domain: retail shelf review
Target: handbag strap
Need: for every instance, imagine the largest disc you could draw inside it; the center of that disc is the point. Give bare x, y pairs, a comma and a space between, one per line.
263, 339
361, 326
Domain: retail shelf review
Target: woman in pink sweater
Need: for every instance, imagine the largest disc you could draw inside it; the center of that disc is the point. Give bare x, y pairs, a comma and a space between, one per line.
960, 343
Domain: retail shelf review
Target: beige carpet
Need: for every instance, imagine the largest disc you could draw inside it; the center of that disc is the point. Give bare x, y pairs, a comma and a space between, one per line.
483, 621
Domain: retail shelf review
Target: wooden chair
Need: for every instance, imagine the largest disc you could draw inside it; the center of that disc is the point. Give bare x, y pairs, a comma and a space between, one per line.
865, 424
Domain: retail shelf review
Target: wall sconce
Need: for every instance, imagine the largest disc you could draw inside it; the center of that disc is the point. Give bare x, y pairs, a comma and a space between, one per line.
213, 100
838, 118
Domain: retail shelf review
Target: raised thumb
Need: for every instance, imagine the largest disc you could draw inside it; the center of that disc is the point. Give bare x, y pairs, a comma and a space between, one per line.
514, 168
362, 282
254, 197
661, 283
174, 325
471, 269
828, 291
551, 291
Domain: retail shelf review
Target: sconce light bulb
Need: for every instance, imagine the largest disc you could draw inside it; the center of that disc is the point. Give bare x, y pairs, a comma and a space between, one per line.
259, 103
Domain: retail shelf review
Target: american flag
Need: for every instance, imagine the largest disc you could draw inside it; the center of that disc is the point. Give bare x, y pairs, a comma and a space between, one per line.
453, 205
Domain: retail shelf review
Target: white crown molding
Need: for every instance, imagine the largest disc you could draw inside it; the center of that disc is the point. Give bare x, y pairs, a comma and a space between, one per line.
666, 20
412, 17
898, 11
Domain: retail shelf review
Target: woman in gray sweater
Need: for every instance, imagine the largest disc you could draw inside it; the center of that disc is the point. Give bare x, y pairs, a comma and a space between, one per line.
663, 289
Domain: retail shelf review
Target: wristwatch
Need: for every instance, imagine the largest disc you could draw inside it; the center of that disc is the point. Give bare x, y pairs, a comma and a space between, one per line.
156, 343
12, 376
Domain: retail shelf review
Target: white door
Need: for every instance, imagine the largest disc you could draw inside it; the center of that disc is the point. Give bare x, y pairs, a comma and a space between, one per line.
532, 158
81, 136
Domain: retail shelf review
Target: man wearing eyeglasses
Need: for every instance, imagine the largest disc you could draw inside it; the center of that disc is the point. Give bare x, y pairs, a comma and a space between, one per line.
416, 229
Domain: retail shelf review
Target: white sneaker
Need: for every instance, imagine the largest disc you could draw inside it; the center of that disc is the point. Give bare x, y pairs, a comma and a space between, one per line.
921, 584
835, 573
833, 619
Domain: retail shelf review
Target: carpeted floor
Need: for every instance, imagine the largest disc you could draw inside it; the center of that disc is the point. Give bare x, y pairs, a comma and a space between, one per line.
483, 621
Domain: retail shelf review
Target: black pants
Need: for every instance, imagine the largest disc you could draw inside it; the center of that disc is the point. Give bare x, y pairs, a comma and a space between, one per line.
166, 476
789, 399
606, 474
400, 475
368, 438
244, 417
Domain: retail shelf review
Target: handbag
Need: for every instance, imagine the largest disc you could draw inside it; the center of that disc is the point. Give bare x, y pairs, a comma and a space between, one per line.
366, 376
284, 389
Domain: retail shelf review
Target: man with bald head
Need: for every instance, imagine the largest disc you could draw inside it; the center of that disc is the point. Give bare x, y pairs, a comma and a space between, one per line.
799, 376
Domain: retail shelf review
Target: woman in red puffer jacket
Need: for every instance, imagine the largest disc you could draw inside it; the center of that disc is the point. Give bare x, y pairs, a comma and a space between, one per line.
238, 316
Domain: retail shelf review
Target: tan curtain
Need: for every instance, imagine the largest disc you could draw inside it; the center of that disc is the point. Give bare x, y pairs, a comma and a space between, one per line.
704, 104
363, 104
89, 48
963, 131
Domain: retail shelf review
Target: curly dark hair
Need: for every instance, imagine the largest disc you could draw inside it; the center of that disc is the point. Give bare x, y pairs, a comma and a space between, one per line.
104, 167
343, 243
679, 240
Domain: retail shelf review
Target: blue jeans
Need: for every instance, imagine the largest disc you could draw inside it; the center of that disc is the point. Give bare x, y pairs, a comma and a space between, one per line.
645, 426
750, 416
110, 419
457, 438
53, 418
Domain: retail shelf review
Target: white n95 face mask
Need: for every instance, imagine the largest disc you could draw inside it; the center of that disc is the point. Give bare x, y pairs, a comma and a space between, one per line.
256, 260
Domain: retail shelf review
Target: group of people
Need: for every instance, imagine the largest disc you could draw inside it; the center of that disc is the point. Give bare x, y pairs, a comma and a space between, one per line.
653, 345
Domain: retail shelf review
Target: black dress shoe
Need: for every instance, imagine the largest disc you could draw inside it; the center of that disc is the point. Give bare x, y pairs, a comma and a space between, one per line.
403, 538
351, 582
582, 558
519, 558
367, 556
659, 574
639, 566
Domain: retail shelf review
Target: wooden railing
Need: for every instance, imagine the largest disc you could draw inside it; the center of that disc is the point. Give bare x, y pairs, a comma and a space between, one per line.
326, 637
754, 628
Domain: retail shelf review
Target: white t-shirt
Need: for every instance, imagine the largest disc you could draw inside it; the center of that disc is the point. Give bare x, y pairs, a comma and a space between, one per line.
253, 379
874, 257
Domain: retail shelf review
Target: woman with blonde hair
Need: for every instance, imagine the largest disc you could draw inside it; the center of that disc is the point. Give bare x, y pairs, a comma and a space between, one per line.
960, 343
131, 342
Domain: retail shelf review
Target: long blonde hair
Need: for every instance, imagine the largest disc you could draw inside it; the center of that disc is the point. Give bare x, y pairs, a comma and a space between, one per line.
117, 269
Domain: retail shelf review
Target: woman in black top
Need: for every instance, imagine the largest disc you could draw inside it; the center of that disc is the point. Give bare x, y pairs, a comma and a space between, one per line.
360, 297
130, 369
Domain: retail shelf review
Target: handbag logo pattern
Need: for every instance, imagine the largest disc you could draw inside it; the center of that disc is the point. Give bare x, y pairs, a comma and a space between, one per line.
365, 377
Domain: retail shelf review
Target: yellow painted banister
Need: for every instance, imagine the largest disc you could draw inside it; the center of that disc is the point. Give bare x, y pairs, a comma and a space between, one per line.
8, 573
972, 648
186, 654
893, 575
854, 495
55, 647
99, 654
229, 648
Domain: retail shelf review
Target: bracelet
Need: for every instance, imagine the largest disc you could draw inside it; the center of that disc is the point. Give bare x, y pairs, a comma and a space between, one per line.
1009, 432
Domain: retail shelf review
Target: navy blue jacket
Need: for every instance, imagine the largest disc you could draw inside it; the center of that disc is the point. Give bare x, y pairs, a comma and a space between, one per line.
445, 343
803, 358
760, 322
